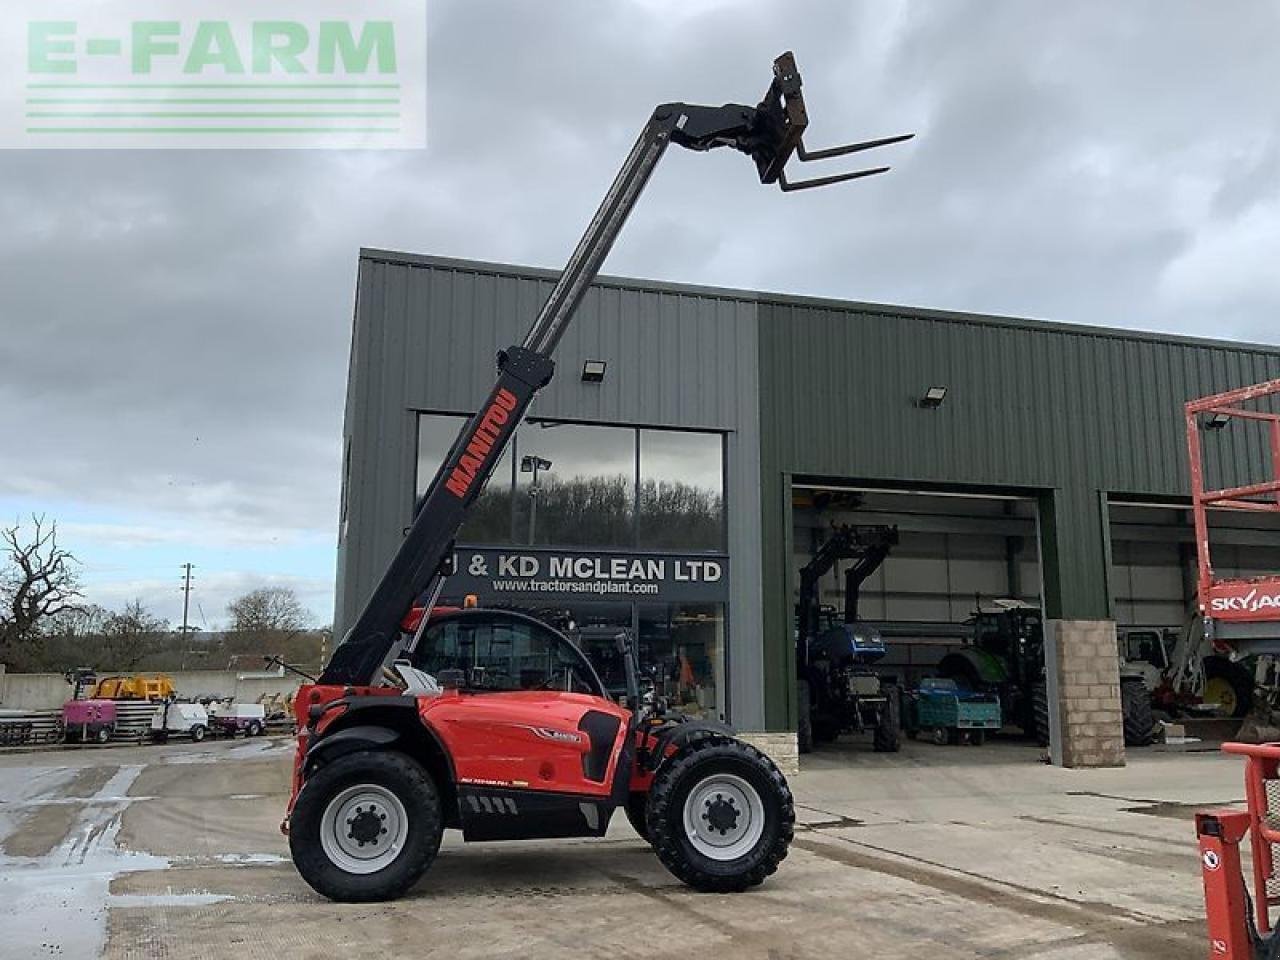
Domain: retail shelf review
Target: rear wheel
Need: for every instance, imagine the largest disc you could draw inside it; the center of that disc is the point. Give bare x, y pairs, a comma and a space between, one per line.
104, 734
1135, 710
198, 732
255, 728
1228, 686
1039, 714
365, 827
888, 735
720, 815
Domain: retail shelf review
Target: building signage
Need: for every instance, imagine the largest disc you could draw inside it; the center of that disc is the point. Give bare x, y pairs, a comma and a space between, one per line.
509, 574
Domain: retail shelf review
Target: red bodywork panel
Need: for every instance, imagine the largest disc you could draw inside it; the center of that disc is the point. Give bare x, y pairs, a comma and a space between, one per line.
523, 739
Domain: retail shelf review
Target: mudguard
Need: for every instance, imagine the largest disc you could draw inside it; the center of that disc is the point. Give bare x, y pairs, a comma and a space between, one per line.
363, 737
670, 739
989, 669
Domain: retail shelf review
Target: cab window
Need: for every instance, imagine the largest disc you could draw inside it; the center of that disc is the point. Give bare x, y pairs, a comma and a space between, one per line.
502, 655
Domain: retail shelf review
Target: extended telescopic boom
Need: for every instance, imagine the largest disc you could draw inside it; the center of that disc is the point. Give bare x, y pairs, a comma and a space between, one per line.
770, 133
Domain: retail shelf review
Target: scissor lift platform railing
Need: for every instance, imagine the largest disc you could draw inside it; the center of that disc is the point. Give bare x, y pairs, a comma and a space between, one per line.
1242, 614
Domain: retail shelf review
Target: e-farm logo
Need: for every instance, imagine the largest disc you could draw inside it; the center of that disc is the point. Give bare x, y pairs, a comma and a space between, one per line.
216, 73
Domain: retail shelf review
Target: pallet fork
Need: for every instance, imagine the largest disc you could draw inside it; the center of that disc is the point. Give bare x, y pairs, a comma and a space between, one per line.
770, 133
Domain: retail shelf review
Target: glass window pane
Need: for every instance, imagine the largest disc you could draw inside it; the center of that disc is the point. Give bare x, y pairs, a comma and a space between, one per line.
681, 490
585, 490
490, 518
501, 655
681, 646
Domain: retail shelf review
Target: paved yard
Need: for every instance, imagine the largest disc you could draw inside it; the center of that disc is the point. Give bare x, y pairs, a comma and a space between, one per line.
174, 851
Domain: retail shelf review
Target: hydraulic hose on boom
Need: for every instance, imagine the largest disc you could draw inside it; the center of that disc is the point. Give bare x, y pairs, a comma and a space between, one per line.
769, 133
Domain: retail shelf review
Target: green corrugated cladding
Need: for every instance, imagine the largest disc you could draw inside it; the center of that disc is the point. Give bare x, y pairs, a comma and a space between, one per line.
1065, 414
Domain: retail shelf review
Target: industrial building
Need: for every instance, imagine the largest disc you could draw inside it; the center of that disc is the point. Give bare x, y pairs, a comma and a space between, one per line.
697, 444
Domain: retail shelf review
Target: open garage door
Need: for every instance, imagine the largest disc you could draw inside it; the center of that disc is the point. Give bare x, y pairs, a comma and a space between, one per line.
1153, 590
964, 567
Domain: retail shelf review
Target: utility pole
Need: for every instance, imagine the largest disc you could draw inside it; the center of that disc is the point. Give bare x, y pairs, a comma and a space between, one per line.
186, 597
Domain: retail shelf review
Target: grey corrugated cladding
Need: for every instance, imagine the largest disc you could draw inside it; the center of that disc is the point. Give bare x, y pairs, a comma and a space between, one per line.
1068, 414
804, 388
426, 334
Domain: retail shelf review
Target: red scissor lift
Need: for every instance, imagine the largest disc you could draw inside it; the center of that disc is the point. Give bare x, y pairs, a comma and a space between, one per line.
1241, 615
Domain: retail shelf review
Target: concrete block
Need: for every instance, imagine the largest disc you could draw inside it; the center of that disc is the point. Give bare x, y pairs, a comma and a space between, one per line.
781, 748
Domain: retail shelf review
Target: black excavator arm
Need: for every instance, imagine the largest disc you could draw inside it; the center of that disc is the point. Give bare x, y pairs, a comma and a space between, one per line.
770, 133
867, 547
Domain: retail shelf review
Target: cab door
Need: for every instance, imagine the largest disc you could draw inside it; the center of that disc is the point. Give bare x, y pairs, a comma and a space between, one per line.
537, 749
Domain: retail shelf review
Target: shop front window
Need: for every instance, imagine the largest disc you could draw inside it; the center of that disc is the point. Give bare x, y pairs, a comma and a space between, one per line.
682, 647
490, 518
575, 485
681, 490
580, 485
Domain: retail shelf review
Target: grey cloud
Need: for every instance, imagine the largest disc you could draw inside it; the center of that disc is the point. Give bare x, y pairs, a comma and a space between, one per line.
176, 324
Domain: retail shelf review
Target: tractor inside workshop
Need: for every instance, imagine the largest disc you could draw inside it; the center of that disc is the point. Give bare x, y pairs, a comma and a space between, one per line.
491, 721
1005, 655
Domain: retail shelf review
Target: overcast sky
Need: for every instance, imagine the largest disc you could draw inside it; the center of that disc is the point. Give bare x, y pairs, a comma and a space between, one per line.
176, 324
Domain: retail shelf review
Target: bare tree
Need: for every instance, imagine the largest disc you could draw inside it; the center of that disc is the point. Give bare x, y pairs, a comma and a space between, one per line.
266, 618
130, 636
37, 584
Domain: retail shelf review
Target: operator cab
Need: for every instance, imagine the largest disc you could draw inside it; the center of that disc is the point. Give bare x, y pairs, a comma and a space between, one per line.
490, 651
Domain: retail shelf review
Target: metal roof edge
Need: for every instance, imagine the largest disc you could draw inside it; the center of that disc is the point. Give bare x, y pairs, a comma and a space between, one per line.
494, 268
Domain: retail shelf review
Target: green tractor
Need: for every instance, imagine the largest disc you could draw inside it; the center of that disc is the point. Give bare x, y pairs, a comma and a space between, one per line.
1007, 657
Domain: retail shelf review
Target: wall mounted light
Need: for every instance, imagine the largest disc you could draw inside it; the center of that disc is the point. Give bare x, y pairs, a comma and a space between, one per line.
1217, 421
593, 371
933, 398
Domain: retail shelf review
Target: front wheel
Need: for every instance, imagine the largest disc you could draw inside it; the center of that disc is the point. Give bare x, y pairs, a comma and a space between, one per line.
888, 734
198, 732
104, 734
255, 728
366, 827
720, 815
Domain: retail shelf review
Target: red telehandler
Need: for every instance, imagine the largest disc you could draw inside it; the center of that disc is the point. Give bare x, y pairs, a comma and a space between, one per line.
493, 722
1240, 616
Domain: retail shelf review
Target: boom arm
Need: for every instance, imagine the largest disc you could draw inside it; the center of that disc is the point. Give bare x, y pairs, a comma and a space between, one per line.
769, 133
868, 546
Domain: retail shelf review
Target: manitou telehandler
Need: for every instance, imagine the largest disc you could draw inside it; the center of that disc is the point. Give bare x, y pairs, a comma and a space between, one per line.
492, 722
1242, 617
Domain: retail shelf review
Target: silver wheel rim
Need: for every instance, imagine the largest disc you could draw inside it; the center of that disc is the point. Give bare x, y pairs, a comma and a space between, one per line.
723, 817
364, 828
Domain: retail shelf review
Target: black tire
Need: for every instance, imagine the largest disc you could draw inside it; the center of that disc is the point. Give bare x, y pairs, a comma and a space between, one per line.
637, 810
954, 736
254, 729
1235, 676
1135, 711
410, 784
888, 733
680, 775
977, 737
198, 732
804, 721
1039, 714
103, 735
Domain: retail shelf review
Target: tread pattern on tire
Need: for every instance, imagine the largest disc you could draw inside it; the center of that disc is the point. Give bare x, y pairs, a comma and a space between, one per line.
1236, 675
1135, 709
888, 732
665, 817
804, 722
421, 800
1039, 714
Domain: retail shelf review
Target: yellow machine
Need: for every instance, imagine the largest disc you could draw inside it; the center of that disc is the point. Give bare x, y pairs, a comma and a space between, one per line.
142, 686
